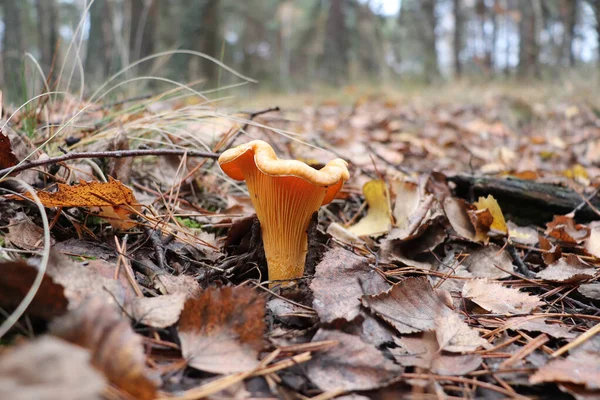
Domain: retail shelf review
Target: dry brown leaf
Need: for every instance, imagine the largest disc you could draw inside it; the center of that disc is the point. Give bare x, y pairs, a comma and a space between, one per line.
227, 321
116, 349
568, 268
590, 290
47, 369
350, 365
17, 279
456, 212
341, 278
379, 216
422, 350
581, 367
490, 203
483, 262
552, 252
94, 278
342, 234
499, 299
565, 229
158, 312
413, 306
529, 324
115, 201
482, 221
24, 234
7, 157
406, 201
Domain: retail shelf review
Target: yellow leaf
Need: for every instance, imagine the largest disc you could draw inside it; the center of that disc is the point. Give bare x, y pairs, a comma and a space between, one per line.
490, 203
379, 217
114, 200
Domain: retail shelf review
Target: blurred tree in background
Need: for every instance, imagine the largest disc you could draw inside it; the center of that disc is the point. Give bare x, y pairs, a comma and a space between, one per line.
299, 45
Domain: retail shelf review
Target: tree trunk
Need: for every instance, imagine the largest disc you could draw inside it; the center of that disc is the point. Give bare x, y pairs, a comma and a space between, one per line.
143, 28
528, 46
335, 59
568, 12
429, 39
458, 37
99, 48
47, 13
12, 49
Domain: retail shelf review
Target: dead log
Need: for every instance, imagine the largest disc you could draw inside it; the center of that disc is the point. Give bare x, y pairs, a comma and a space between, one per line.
527, 201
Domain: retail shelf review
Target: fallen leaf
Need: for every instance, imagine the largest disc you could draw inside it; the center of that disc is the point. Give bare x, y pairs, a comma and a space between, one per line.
499, 299
24, 234
456, 212
379, 216
341, 278
350, 365
422, 350
116, 349
158, 312
17, 279
529, 324
413, 306
406, 201
490, 203
93, 278
222, 321
590, 290
566, 230
568, 268
522, 235
592, 244
483, 262
552, 252
49, 368
342, 234
114, 200
7, 157
581, 367
482, 220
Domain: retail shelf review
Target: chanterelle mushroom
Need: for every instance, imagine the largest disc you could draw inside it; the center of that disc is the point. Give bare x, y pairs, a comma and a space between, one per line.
285, 194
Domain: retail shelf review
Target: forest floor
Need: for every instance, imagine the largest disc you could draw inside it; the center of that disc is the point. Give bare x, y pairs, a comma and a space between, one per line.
460, 259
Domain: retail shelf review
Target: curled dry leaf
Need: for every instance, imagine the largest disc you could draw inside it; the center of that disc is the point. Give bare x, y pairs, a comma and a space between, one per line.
498, 222
227, 321
482, 221
406, 202
565, 229
422, 350
17, 278
342, 234
499, 299
24, 234
456, 212
379, 216
49, 368
116, 349
350, 365
568, 268
341, 278
158, 312
115, 201
592, 244
413, 306
489, 262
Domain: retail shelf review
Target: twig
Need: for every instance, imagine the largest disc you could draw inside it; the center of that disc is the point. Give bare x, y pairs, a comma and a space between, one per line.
521, 267
580, 339
108, 154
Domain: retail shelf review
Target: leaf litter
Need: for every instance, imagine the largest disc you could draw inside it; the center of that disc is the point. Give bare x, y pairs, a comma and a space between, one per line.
416, 281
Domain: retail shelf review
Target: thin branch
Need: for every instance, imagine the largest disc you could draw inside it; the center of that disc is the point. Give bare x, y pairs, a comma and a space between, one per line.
110, 154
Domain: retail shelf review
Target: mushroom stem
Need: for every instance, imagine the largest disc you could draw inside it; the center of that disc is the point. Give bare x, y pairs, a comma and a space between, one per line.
284, 206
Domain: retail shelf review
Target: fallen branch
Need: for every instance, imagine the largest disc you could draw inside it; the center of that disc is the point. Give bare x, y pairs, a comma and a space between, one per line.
528, 199
106, 154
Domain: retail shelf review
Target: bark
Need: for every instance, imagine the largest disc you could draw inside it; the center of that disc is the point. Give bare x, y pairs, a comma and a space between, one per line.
12, 50
569, 16
528, 45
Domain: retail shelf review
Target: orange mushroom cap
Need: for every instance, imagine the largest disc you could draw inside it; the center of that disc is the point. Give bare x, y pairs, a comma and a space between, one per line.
285, 194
